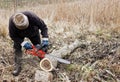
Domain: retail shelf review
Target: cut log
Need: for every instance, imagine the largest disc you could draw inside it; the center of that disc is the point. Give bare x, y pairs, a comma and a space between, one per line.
49, 63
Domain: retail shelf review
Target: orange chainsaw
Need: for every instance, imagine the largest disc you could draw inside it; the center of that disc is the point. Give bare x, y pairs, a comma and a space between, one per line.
39, 51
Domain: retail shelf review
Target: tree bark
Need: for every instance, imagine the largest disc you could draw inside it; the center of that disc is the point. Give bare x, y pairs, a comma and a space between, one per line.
49, 63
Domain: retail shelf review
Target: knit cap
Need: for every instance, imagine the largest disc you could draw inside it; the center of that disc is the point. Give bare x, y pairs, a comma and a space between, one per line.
21, 21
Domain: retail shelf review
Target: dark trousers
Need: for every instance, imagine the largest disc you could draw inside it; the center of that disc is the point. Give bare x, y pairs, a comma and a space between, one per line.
17, 47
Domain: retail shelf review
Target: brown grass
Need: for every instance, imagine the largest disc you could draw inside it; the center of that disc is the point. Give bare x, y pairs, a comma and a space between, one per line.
94, 14
89, 11
68, 20
87, 14
3, 31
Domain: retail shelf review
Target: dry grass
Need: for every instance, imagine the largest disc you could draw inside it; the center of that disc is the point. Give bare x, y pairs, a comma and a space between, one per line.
94, 13
89, 11
3, 31
3, 25
69, 20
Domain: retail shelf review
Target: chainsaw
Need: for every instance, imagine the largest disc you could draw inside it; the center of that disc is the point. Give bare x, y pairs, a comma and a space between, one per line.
39, 51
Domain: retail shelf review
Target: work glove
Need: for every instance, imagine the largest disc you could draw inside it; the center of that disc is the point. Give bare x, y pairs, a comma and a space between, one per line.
26, 45
45, 42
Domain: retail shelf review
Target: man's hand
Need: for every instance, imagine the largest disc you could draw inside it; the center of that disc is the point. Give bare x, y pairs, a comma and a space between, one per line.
26, 45
45, 42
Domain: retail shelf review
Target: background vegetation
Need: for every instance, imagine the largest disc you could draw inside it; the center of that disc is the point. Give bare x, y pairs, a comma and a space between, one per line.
95, 21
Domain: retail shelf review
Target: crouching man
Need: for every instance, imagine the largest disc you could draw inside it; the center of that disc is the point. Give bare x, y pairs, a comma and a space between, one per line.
26, 24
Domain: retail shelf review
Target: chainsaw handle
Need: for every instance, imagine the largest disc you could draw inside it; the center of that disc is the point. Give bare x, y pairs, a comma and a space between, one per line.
45, 48
38, 47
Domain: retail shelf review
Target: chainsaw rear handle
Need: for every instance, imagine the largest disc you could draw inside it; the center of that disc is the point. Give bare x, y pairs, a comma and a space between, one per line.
40, 47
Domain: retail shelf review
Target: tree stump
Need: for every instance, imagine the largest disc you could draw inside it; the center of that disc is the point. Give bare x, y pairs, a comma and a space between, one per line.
43, 76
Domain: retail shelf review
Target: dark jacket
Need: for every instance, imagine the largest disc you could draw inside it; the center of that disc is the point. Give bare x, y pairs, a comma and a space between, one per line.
35, 23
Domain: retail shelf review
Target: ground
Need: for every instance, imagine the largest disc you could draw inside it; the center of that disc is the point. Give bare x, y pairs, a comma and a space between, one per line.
95, 22
96, 61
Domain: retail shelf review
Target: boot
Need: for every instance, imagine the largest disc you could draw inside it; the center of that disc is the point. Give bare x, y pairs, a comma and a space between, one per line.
16, 70
17, 67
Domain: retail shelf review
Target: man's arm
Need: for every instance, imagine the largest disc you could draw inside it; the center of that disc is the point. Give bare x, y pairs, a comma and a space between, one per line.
43, 28
37, 21
41, 25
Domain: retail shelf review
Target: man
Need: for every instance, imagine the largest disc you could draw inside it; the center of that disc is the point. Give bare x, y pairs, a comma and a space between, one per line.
26, 24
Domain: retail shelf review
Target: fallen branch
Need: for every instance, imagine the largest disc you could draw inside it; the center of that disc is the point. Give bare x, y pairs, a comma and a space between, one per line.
49, 63
3, 61
113, 76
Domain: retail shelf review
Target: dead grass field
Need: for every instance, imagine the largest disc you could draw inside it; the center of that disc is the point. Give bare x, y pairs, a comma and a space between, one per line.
96, 21
94, 13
